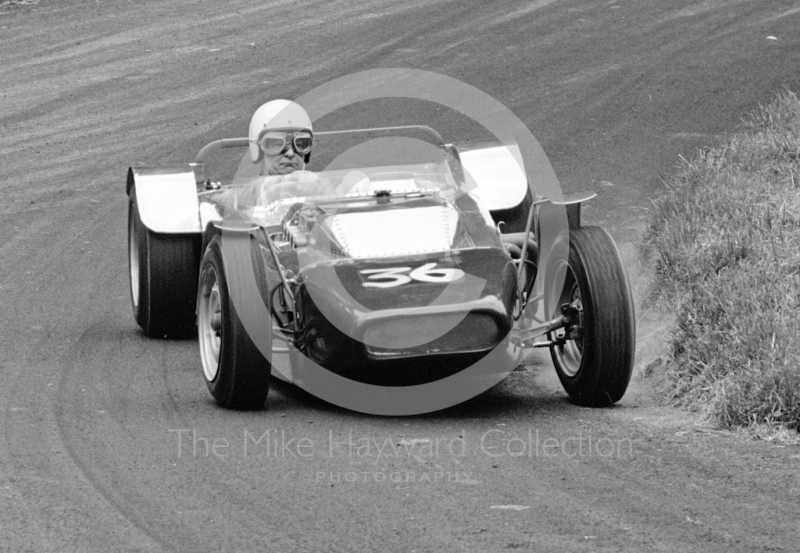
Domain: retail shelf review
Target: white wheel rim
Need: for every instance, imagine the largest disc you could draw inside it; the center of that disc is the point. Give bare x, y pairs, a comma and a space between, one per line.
209, 323
133, 259
570, 355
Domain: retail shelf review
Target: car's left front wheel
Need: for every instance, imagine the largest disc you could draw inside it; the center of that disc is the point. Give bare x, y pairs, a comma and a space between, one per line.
594, 361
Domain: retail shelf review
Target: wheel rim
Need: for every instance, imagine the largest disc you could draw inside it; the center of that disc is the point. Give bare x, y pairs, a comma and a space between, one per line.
209, 323
133, 258
570, 355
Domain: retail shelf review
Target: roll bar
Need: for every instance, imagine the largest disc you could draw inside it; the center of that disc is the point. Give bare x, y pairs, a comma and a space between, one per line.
219, 144
243, 142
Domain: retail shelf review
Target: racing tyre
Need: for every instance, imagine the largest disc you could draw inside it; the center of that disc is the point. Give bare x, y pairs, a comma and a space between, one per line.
236, 372
595, 366
163, 277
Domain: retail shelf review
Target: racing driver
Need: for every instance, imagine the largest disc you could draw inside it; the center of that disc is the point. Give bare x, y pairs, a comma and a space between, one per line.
280, 137
280, 140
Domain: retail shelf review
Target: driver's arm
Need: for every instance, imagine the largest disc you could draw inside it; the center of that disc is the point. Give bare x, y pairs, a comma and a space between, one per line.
295, 185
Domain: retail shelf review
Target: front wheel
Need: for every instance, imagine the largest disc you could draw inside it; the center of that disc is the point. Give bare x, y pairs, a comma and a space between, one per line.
594, 359
235, 371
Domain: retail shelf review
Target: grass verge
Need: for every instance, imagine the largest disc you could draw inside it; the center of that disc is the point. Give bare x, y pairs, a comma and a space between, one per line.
725, 239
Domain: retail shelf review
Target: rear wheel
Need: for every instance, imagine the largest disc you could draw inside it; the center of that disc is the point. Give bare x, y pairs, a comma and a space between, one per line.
163, 277
236, 372
595, 360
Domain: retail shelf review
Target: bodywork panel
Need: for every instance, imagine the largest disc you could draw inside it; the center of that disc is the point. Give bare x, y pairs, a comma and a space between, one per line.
167, 198
495, 173
345, 321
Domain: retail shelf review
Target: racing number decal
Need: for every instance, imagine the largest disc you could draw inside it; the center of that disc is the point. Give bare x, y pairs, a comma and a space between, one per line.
427, 273
388, 278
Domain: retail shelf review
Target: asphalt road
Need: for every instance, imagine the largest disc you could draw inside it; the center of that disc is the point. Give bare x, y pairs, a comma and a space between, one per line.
110, 441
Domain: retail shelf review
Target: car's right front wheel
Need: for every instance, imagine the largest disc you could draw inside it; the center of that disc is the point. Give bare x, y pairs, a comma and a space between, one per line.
236, 372
594, 358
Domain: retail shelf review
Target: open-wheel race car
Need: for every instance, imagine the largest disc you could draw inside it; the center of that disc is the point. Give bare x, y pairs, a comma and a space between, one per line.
386, 269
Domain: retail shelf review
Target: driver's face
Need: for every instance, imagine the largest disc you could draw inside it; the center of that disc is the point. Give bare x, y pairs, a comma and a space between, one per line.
284, 163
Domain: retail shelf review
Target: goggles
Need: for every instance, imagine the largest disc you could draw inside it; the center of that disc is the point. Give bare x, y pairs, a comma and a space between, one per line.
274, 143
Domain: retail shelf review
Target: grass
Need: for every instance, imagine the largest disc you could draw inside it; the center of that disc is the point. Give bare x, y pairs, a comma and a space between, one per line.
725, 239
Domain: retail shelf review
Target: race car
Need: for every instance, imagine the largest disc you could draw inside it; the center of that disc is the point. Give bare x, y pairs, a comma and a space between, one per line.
401, 266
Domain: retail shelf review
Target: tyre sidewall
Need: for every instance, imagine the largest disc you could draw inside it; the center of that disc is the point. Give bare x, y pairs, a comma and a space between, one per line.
141, 308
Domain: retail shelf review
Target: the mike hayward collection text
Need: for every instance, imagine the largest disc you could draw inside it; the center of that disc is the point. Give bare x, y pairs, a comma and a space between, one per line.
495, 443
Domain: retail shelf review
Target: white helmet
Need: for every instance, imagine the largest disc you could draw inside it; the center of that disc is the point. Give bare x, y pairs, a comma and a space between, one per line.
276, 115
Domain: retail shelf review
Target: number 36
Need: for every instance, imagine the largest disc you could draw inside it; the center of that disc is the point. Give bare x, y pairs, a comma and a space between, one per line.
395, 276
